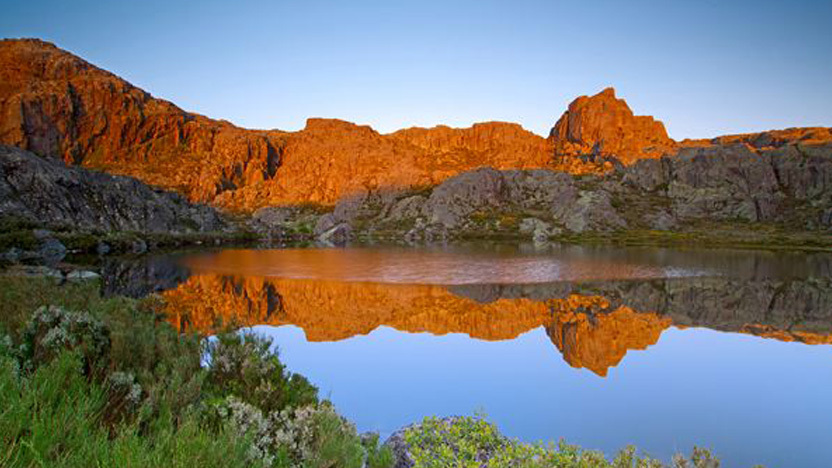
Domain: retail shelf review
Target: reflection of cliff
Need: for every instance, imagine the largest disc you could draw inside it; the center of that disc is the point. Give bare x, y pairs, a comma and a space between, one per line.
592, 324
329, 310
587, 329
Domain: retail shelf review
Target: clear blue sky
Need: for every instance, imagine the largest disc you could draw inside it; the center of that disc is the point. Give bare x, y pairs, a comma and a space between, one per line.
705, 67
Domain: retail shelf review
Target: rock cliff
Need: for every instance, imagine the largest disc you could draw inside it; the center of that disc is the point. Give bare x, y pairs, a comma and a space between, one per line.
603, 126
58, 105
785, 184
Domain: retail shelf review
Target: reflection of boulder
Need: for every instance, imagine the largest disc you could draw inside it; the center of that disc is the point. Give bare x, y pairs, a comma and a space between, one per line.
138, 277
592, 324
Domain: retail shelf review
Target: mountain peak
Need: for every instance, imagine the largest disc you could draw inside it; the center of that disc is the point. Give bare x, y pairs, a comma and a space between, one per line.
605, 126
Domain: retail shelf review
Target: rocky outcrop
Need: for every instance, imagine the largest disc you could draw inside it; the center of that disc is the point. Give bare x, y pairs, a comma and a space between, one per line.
46, 192
787, 187
790, 183
602, 127
58, 105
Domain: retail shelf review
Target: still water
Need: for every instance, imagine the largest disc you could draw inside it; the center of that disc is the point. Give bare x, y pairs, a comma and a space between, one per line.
603, 347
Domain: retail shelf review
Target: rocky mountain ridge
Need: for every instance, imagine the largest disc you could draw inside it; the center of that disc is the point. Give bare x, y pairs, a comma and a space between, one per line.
38, 189
58, 105
786, 187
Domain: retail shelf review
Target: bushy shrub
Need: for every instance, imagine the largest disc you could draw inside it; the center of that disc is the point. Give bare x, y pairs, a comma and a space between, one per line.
52, 330
474, 442
314, 436
244, 365
50, 417
378, 456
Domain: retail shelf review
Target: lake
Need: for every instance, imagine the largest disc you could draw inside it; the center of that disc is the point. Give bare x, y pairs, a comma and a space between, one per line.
601, 346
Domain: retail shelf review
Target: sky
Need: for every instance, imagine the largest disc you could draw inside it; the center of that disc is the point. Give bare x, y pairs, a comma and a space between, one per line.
705, 67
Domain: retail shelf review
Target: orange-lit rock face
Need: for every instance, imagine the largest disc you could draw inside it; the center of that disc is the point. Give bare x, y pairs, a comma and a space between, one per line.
56, 104
330, 159
603, 125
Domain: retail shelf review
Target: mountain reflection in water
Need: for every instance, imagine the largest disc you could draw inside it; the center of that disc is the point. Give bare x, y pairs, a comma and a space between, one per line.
594, 304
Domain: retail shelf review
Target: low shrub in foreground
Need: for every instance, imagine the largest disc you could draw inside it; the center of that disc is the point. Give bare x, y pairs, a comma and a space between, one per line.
52, 417
474, 442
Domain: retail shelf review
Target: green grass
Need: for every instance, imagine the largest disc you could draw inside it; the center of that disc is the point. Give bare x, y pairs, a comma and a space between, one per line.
52, 418
127, 389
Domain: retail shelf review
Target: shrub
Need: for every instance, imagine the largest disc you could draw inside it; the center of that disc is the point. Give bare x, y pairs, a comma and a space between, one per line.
52, 330
50, 418
378, 456
243, 365
474, 442
314, 436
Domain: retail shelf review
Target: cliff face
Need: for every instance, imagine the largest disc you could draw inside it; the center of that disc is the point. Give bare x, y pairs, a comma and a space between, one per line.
47, 192
603, 126
56, 104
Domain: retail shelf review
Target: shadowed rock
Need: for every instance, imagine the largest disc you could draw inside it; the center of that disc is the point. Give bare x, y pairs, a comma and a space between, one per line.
46, 191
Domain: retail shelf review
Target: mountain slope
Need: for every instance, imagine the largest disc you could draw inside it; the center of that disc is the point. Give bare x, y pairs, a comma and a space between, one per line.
58, 105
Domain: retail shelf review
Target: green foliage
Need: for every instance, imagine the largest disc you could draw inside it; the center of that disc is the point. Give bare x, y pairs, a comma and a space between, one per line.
51, 418
52, 330
464, 442
244, 365
24, 240
378, 456
473, 442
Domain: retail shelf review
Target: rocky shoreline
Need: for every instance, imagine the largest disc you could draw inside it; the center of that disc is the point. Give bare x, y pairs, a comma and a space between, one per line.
770, 195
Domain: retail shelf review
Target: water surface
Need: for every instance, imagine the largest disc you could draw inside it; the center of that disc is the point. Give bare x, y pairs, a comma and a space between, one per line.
604, 347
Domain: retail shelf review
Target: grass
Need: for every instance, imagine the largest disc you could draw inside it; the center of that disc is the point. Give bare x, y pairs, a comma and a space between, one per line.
52, 418
712, 235
127, 389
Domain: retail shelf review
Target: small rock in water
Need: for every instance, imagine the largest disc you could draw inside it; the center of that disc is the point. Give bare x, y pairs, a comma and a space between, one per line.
102, 248
338, 235
82, 275
139, 246
52, 251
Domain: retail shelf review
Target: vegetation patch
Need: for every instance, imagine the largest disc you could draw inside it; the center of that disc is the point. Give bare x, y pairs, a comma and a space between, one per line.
474, 442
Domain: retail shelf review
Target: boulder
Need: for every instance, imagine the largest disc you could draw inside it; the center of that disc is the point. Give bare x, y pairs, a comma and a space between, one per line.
593, 211
337, 235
